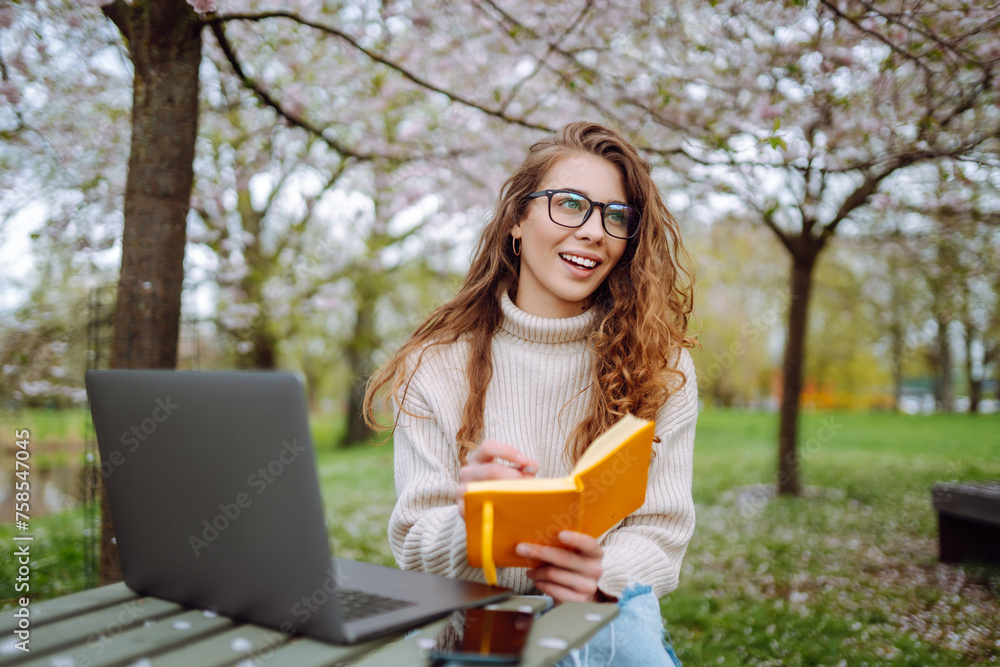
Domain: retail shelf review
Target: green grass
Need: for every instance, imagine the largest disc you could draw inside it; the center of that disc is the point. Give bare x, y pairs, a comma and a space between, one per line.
327, 431
46, 426
57, 557
359, 495
845, 575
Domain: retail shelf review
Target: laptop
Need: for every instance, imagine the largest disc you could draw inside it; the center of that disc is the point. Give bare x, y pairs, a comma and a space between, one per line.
211, 479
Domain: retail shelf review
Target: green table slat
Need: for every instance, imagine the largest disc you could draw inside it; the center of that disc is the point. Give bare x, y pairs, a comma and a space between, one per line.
150, 638
78, 630
70, 605
245, 642
405, 652
312, 653
111, 626
572, 623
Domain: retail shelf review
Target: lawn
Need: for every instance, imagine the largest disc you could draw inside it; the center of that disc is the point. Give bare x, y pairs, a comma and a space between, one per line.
845, 575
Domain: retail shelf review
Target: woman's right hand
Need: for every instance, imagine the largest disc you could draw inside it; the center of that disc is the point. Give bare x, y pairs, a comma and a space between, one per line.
493, 460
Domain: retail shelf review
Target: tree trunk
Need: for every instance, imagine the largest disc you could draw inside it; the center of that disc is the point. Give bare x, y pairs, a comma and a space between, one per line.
944, 391
164, 42
896, 334
263, 344
975, 384
803, 263
359, 358
262, 353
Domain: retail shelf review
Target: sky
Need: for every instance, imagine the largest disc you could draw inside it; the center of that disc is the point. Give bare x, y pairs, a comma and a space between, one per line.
16, 257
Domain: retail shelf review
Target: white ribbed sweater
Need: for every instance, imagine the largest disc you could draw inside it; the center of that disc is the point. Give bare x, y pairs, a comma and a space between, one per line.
539, 392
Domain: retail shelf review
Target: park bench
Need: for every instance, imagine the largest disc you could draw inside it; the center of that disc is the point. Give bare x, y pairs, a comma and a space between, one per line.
968, 521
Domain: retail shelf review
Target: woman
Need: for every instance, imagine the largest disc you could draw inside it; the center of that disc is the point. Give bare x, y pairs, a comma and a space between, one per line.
574, 313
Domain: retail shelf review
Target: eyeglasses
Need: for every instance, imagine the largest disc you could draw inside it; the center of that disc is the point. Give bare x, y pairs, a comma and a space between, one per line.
571, 209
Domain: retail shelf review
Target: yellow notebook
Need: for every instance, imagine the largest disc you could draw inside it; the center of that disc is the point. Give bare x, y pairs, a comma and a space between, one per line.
607, 484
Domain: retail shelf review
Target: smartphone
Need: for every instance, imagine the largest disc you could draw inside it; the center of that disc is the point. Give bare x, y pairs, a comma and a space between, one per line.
483, 637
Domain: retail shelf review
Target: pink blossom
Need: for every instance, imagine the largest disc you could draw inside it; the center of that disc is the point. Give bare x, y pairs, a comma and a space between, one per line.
870, 125
768, 111
204, 6
881, 201
990, 51
11, 92
295, 97
7, 16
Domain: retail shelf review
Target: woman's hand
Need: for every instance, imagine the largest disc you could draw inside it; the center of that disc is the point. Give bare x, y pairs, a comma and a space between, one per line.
571, 573
488, 462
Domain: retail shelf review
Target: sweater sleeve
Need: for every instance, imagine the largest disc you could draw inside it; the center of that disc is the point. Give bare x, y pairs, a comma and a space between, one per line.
649, 545
426, 532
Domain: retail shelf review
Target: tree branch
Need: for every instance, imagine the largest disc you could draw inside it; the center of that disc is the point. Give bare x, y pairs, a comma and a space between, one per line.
406, 73
835, 9
861, 195
298, 228
266, 98
668, 153
916, 26
553, 47
768, 218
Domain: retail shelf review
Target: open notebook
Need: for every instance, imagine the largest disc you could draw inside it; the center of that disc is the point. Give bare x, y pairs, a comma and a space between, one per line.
607, 484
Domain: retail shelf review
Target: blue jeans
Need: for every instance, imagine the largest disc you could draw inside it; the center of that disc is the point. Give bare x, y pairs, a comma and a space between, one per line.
635, 637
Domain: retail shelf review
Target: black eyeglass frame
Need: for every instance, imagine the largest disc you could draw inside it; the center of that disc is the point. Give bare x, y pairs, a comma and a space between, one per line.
593, 205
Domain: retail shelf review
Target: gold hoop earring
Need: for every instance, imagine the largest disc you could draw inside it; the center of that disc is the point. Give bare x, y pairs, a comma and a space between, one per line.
515, 243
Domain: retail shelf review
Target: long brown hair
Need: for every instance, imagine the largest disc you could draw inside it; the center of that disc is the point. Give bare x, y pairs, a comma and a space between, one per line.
643, 305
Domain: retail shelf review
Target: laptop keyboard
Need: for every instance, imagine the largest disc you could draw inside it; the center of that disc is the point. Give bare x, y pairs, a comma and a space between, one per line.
356, 604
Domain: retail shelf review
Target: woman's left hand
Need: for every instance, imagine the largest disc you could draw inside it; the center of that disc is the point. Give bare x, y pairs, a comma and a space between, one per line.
571, 573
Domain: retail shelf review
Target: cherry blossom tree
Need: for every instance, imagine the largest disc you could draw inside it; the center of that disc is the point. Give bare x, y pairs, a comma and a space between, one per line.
61, 140
800, 111
803, 111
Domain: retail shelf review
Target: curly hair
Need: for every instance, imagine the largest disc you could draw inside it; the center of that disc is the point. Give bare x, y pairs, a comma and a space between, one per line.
643, 305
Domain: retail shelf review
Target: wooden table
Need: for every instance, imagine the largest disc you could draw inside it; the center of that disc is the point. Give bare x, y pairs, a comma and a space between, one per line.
111, 625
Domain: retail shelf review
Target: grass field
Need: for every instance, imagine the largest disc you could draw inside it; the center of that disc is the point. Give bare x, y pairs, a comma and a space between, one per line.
845, 575
848, 574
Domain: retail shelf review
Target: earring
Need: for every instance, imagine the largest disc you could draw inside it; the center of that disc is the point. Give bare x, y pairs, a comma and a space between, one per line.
516, 245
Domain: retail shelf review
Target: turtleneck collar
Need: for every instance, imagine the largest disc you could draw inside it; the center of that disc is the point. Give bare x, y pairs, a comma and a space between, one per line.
544, 329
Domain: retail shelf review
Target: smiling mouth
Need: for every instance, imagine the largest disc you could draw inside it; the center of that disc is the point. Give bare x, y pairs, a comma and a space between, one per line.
580, 262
